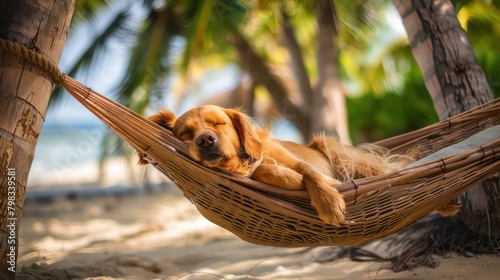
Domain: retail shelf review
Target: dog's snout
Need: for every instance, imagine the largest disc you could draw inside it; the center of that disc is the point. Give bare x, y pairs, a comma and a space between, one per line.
206, 140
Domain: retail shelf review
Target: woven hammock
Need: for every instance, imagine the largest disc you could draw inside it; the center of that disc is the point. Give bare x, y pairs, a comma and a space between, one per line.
268, 215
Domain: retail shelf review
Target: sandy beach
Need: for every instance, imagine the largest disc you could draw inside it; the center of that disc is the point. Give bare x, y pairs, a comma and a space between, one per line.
162, 236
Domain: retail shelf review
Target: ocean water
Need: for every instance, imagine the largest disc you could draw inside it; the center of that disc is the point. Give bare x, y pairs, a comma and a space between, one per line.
67, 165
67, 158
66, 155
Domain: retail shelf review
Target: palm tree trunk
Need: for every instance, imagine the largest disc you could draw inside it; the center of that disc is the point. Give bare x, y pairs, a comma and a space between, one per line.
41, 26
456, 83
329, 113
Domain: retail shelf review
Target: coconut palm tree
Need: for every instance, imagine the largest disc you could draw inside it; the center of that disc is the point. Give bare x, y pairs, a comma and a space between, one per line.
456, 83
24, 94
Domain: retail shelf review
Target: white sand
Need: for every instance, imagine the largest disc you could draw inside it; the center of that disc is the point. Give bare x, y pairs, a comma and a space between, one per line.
164, 237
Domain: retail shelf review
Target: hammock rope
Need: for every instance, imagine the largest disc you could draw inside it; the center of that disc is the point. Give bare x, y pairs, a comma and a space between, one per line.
269, 215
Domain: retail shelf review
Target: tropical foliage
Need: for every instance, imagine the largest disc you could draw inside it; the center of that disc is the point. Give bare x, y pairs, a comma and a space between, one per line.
384, 87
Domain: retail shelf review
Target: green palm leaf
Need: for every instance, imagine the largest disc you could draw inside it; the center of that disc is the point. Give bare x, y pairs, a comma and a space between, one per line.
94, 54
89, 10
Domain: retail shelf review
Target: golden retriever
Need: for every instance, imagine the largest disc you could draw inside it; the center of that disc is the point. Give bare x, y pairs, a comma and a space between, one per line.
227, 138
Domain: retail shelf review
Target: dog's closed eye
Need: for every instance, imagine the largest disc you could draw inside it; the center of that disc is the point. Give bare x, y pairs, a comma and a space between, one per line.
186, 135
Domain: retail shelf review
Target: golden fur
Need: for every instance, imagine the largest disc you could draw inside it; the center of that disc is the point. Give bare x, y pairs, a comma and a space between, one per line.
226, 138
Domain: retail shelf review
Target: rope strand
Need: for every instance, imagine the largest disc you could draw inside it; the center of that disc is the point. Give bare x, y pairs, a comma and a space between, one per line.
35, 58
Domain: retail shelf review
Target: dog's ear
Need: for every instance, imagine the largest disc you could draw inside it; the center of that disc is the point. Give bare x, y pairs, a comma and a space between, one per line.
164, 118
249, 138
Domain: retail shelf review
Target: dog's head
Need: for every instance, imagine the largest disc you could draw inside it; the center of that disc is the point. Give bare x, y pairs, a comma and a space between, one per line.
215, 136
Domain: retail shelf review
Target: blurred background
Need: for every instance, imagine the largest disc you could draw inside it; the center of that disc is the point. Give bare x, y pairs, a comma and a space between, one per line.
267, 57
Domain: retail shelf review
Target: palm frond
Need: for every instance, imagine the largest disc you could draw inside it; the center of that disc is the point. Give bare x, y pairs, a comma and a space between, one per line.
358, 20
204, 28
148, 66
94, 55
196, 31
149, 61
89, 10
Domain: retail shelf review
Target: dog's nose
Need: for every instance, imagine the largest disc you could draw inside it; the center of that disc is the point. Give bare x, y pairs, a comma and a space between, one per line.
206, 140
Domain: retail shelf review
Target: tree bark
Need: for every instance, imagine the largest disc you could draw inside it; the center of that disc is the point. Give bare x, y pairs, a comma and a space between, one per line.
42, 26
329, 113
456, 83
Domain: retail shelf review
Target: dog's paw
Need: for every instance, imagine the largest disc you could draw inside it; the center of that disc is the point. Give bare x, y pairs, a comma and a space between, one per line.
332, 211
326, 199
451, 208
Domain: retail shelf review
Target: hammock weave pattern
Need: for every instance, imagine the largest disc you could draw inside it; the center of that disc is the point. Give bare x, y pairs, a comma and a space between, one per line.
268, 215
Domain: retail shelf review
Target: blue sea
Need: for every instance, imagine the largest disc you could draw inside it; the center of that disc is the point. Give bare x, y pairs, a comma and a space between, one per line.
67, 161
66, 154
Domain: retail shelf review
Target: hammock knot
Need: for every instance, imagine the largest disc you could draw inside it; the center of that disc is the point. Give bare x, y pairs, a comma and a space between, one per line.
483, 154
61, 78
356, 192
443, 167
35, 58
